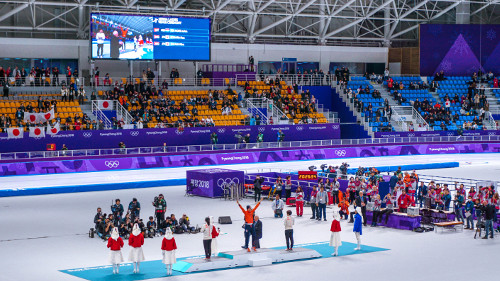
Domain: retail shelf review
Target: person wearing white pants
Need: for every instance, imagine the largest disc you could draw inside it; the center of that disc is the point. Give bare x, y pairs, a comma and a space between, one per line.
168, 247
358, 227
136, 240
335, 236
115, 244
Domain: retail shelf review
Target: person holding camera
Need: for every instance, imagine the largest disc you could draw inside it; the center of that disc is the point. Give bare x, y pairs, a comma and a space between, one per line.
185, 224
257, 188
458, 206
278, 207
151, 227
160, 208
104, 228
134, 207
335, 191
117, 210
98, 217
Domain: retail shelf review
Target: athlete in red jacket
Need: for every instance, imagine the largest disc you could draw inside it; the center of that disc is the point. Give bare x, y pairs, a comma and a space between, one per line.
404, 201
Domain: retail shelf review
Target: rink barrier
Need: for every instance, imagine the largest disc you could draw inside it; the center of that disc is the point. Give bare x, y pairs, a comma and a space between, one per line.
249, 156
87, 188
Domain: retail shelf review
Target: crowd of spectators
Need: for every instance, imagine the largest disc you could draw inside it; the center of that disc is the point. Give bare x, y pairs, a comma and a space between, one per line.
37, 76
285, 98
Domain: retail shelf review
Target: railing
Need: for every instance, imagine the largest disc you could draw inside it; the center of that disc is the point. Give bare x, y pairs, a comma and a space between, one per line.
242, 146
100, 115
122, 113
46, 82
254, 107
159, 82
420, 120
290, 79
397, 121
489, 122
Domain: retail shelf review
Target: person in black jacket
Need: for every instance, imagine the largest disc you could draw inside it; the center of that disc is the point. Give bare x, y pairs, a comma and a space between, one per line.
98, 217
257, 188
361, 201
489, 216
258, 232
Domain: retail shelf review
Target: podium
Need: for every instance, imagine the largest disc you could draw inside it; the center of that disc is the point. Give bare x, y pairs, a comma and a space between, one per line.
243, 258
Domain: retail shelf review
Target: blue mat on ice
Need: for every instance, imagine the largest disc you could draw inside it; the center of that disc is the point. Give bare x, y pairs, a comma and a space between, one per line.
156, 269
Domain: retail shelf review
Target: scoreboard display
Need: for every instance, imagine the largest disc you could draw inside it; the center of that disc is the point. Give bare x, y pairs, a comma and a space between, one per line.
147, 37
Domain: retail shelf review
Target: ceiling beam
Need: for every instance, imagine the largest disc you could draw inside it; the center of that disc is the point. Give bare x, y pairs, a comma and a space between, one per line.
334, 13
282, 20
355, 22
14, 11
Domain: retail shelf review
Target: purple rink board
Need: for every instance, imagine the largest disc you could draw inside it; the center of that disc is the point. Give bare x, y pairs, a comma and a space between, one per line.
435, 134
170, 136
395, 221
211, 182
108, 164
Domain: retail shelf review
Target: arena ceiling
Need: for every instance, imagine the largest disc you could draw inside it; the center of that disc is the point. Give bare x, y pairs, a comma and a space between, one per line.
323, 22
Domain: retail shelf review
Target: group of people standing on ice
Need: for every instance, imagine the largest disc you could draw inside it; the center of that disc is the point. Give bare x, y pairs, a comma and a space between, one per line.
210, 234
136, 254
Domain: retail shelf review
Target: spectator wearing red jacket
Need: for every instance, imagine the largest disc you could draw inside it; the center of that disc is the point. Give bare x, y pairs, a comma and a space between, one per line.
115, 244
404, 201
168, 247
136, 240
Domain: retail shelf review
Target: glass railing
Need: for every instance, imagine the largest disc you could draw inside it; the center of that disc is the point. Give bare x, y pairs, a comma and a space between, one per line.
239, 146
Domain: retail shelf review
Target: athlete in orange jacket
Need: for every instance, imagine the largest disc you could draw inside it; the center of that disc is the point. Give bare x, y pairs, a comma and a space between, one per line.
249, 226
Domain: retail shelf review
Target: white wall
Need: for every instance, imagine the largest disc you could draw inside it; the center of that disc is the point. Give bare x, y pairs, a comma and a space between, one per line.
221, 53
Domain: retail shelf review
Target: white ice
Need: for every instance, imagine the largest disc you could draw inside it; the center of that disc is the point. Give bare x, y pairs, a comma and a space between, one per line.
43, 234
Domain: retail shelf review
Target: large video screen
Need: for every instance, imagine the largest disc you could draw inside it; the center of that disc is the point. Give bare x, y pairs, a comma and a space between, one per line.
148, 37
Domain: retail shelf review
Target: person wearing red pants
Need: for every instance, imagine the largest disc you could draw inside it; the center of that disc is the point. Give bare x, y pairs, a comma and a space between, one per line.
299, 201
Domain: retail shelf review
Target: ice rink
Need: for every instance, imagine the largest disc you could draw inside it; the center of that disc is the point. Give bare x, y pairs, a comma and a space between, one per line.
41, 235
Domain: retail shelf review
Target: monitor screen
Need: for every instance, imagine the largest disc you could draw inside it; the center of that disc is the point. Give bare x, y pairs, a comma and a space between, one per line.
148, 37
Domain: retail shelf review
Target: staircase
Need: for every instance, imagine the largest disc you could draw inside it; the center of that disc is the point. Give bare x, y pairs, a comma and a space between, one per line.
356, 114
385, 94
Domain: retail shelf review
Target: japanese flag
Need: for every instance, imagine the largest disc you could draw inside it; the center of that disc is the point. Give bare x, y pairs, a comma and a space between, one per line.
32, 117
53, 130
105, 104
48, 115
15, 133
37, 132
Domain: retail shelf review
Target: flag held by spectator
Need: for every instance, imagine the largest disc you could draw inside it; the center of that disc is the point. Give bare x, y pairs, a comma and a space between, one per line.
32, 117
105, 104
15, 133
48, 115
37, 132
53, 130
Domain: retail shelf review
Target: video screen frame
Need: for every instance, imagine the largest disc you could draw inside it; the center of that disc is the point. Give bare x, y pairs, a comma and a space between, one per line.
111, 13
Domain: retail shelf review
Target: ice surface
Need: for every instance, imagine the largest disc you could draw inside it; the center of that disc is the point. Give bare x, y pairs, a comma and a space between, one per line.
43, 234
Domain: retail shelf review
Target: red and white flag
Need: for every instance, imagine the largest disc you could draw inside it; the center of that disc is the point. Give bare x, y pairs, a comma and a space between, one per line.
37, 132
15, 133
105, 104
53, 130
32, 117
48, 115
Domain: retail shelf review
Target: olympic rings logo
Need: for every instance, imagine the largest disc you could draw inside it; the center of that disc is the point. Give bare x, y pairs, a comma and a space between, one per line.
87, 134
228, 182
341, 153
221, 130
134, 133
262, 129
112, 164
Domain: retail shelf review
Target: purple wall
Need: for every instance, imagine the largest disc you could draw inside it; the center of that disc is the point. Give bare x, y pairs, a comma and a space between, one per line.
434, 134
212, 182
70, 166
171, 136
459, 49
